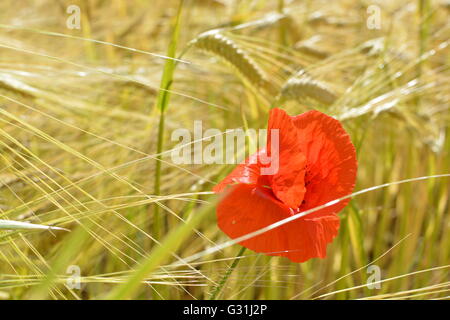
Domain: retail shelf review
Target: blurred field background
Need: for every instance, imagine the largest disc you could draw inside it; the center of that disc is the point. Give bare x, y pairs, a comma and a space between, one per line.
80, 138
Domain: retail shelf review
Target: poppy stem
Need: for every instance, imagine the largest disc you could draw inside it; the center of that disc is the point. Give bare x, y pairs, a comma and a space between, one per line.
217, 289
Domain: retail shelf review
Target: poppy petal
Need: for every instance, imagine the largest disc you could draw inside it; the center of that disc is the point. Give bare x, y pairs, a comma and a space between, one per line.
246, 208
331, 161
247, 172
288, 182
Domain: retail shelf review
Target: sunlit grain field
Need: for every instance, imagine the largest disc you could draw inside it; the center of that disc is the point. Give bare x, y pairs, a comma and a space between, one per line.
86, 117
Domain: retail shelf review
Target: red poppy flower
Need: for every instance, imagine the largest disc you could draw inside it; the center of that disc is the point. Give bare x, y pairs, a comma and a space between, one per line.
316, 164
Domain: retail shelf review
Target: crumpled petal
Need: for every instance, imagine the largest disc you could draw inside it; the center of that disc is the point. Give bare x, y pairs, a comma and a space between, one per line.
247, 172
288, 182
247, 208
331, 161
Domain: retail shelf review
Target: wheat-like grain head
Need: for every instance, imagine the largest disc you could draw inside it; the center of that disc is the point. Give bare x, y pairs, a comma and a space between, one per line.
302, 86
218, 43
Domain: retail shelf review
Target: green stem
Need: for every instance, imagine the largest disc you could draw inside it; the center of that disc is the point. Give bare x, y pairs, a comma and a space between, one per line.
161, 104
282, 27
224, 279
425, 16
424, 13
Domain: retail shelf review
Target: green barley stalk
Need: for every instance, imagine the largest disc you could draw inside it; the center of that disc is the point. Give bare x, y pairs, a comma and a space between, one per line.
282, 27
424, 29
217, 289
161, 104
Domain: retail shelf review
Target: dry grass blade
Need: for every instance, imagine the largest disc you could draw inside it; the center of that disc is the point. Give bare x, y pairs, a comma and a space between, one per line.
18, 225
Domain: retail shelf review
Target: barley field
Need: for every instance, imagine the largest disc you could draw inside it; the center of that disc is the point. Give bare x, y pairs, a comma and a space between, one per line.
91, 92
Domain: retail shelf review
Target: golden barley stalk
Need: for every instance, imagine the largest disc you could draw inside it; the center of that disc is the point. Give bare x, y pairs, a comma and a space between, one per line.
214, 41
302, 86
